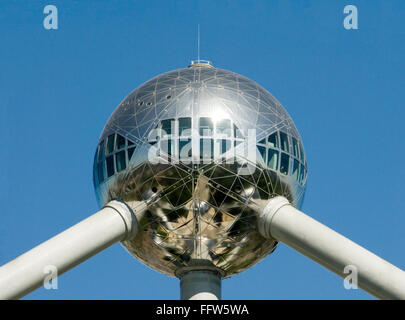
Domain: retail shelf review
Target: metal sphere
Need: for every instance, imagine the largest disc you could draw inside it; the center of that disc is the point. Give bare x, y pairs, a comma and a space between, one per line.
206, 148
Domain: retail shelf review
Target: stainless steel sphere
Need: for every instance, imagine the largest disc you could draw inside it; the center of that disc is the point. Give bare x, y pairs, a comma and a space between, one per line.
205, 148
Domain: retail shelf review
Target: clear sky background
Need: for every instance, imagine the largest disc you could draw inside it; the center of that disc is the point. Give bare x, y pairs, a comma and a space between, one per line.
343, 88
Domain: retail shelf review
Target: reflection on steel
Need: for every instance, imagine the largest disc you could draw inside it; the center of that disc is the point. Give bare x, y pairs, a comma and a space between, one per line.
199, 210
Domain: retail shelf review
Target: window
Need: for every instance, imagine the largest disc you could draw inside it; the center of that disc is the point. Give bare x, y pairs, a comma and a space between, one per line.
223, 128
153, 136
284, 163
112, 156
262, 151
263, 141
184, 126
237, 132
130, 153
206, 147
273, 140
120, 142
100, 172
185, 148
101, 151
302, 174
206, 126
120, 160
295, 169
110, 143
167, 127
295, 147
224, 145
166, 146
301, 153
272, 159
284, 142
110, 165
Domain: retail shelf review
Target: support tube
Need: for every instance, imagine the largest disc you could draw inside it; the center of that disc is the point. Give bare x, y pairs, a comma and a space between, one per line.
281, 221
200, 285
115, 222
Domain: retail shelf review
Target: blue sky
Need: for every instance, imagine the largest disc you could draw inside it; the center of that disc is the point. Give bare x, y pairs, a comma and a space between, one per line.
343, 88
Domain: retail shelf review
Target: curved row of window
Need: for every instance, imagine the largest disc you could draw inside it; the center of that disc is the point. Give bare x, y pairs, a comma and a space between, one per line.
173, 139
284, 153
207, 127
280, 151
113, 155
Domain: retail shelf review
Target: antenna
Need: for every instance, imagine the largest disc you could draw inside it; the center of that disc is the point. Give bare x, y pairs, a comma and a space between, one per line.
199, 63
198, 43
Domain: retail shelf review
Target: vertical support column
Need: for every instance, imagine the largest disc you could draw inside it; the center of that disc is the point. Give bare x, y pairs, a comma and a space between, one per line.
200, 280
200, 285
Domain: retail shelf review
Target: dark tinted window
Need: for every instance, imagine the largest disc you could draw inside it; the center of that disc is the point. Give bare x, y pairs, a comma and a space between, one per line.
101, 151
238, 133
224, 145
206, 126
284, 142
120, 141
110, 165
295, 169
262, 151
206, 148
184, 126
120, 161
100, 172
185, 148
301, 153
302, 174
272, 160
167, 126
295, 147
273, 140
130, 153
166, 146
284, 162
110, 143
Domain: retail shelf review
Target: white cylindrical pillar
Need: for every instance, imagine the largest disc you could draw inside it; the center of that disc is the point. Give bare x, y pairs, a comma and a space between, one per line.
200, 285
115, 222
281, 221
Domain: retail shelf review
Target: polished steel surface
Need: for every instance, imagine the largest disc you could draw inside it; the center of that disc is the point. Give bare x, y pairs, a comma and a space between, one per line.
203, 205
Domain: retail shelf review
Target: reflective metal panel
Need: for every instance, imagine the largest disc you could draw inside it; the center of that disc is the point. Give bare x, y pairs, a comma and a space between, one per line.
183, 142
